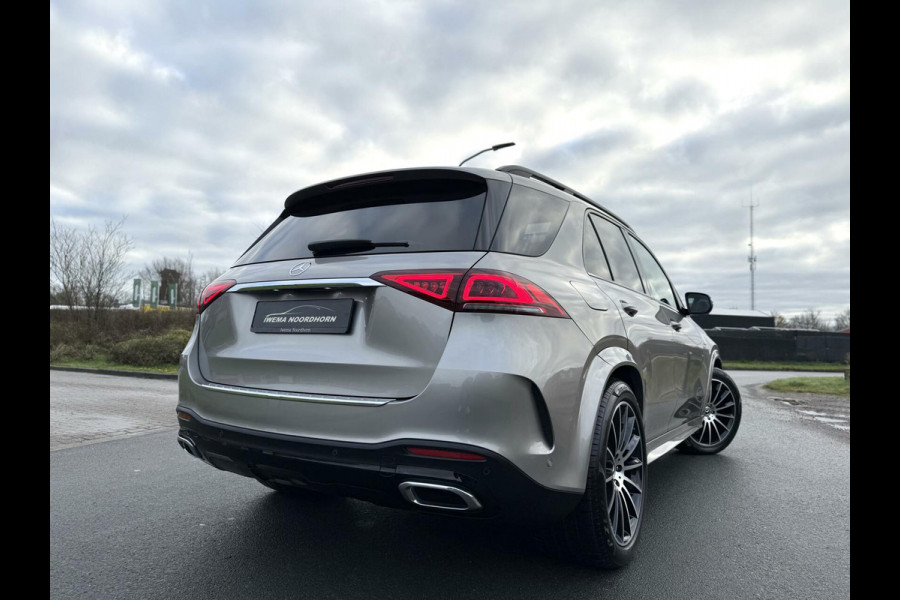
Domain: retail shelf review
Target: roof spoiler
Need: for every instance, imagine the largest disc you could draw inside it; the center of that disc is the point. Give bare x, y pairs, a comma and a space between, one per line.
377, 178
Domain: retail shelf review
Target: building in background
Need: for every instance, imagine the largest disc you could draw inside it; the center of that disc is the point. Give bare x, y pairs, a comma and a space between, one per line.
726, 317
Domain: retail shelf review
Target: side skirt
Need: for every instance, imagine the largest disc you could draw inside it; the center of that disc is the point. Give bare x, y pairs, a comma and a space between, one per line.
669, 441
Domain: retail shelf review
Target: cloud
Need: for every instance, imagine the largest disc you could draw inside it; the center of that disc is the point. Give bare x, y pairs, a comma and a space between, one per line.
197, 120
118, 52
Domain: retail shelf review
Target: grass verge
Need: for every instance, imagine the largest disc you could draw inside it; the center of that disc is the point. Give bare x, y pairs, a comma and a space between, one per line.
104, 363
752, 365
812, 385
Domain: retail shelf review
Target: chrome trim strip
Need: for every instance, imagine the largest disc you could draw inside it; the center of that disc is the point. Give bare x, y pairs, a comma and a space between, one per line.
288, 284
295, 396
667, 447
407, 489
663, 450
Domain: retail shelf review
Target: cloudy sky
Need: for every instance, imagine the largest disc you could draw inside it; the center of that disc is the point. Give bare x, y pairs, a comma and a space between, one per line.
196, 119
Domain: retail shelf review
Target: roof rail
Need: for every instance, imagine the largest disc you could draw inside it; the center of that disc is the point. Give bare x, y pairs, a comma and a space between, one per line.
531, 174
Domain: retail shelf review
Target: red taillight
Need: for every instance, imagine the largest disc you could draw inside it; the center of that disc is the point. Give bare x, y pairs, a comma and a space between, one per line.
478, 290
213, 291
452, 454
438, 285
495, 290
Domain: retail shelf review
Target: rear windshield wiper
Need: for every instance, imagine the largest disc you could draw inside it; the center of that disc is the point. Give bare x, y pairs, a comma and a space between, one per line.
350, 246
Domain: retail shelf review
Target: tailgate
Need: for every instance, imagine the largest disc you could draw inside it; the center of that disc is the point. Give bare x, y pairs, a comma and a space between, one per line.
388, 348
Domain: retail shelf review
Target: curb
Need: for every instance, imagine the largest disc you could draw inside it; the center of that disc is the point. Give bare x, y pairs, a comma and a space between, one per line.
122, 373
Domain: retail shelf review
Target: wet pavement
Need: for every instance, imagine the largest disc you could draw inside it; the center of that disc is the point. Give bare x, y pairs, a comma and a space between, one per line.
823, 410
138, 517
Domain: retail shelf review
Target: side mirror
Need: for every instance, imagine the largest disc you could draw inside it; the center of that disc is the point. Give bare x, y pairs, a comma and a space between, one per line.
698, 303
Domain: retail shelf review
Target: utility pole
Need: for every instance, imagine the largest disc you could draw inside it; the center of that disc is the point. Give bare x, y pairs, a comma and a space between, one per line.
752, 257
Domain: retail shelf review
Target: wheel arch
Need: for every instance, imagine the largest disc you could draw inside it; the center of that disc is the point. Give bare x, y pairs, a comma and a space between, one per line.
714, 363
628, 372
613, 362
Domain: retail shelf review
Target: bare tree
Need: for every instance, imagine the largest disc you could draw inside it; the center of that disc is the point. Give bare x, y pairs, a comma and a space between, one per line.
842, 320
66, 259
780, 320
101, 265
809, 319
174, 271
180, 271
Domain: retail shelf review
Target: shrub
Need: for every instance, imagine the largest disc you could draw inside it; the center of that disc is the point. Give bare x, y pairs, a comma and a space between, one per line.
148, 351
65, 333
75, 337
58, 352
118, 325
64, 351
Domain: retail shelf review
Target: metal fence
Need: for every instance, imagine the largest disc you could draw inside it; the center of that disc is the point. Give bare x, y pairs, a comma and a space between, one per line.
795, 345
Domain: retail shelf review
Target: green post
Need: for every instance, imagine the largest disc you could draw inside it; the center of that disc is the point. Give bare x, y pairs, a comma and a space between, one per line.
136, 294
154, 294
173, 295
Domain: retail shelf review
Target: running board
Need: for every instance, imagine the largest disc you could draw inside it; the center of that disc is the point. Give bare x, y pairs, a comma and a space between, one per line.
662, 446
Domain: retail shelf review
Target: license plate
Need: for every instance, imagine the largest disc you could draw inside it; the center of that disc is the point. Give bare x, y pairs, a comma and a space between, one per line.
303, 316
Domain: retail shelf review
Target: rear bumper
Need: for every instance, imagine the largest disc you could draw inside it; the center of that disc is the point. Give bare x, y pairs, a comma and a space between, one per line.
518, 398
375, 472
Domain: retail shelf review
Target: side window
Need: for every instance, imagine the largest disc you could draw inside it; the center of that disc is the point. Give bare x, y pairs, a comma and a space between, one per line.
658, 285
594, 257
530, 222
621, 262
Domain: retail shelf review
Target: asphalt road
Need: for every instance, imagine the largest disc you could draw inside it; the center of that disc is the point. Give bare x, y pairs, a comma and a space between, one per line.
138, 518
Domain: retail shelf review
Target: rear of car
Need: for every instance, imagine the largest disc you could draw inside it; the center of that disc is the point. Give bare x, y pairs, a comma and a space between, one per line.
404, 337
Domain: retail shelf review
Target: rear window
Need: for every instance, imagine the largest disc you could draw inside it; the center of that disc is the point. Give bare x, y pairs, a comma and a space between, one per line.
431, 215
530, 222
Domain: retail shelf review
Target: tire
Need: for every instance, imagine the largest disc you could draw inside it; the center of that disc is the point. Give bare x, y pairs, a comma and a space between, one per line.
597, 533
721, 422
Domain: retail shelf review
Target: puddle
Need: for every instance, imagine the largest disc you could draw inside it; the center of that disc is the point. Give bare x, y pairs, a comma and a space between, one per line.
832, 419
789, 401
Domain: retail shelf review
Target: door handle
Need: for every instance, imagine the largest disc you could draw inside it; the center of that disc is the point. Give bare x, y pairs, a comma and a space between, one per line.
676, 326
629, 308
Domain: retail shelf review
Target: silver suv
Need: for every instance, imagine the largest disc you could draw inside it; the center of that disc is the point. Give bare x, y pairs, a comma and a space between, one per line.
455, 340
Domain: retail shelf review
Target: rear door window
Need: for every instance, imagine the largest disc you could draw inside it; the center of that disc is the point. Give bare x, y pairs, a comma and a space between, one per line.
658, 286
429, 215
530, 222
621, 262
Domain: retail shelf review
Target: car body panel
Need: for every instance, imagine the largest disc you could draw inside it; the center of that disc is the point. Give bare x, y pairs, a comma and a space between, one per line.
391, 350
699, 362
660, 359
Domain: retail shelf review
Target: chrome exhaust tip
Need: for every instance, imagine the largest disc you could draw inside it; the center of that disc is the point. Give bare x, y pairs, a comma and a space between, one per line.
189, 446
434, 495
